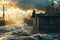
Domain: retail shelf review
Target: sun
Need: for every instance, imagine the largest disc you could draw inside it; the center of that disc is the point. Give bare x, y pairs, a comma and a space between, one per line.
12, 13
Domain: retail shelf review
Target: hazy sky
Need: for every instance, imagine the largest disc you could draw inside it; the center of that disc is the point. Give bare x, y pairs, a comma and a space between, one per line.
26, 4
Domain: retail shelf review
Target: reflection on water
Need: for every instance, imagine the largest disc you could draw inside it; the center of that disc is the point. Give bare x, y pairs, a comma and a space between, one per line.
24, 33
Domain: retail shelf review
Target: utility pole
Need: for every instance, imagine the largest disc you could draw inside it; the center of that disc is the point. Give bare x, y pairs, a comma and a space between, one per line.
2, 22
3, 12
3, 19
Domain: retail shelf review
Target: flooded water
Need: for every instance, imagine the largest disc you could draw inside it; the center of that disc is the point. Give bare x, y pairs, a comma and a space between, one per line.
16, 32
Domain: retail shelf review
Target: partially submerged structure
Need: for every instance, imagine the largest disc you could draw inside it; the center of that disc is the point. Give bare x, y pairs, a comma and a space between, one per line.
48, 22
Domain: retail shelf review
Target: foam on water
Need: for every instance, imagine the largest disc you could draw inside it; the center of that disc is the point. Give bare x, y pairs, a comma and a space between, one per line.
17, 32
12, 32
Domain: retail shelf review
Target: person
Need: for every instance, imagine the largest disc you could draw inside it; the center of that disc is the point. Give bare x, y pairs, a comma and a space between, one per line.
33, 12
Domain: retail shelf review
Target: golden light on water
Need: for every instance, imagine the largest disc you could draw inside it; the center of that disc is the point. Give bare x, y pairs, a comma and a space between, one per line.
13, 14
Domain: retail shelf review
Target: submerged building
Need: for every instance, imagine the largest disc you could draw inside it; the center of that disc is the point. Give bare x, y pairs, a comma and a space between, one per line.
48, 22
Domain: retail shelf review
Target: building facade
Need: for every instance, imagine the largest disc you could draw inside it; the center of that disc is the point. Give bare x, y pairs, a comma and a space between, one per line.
46, 22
